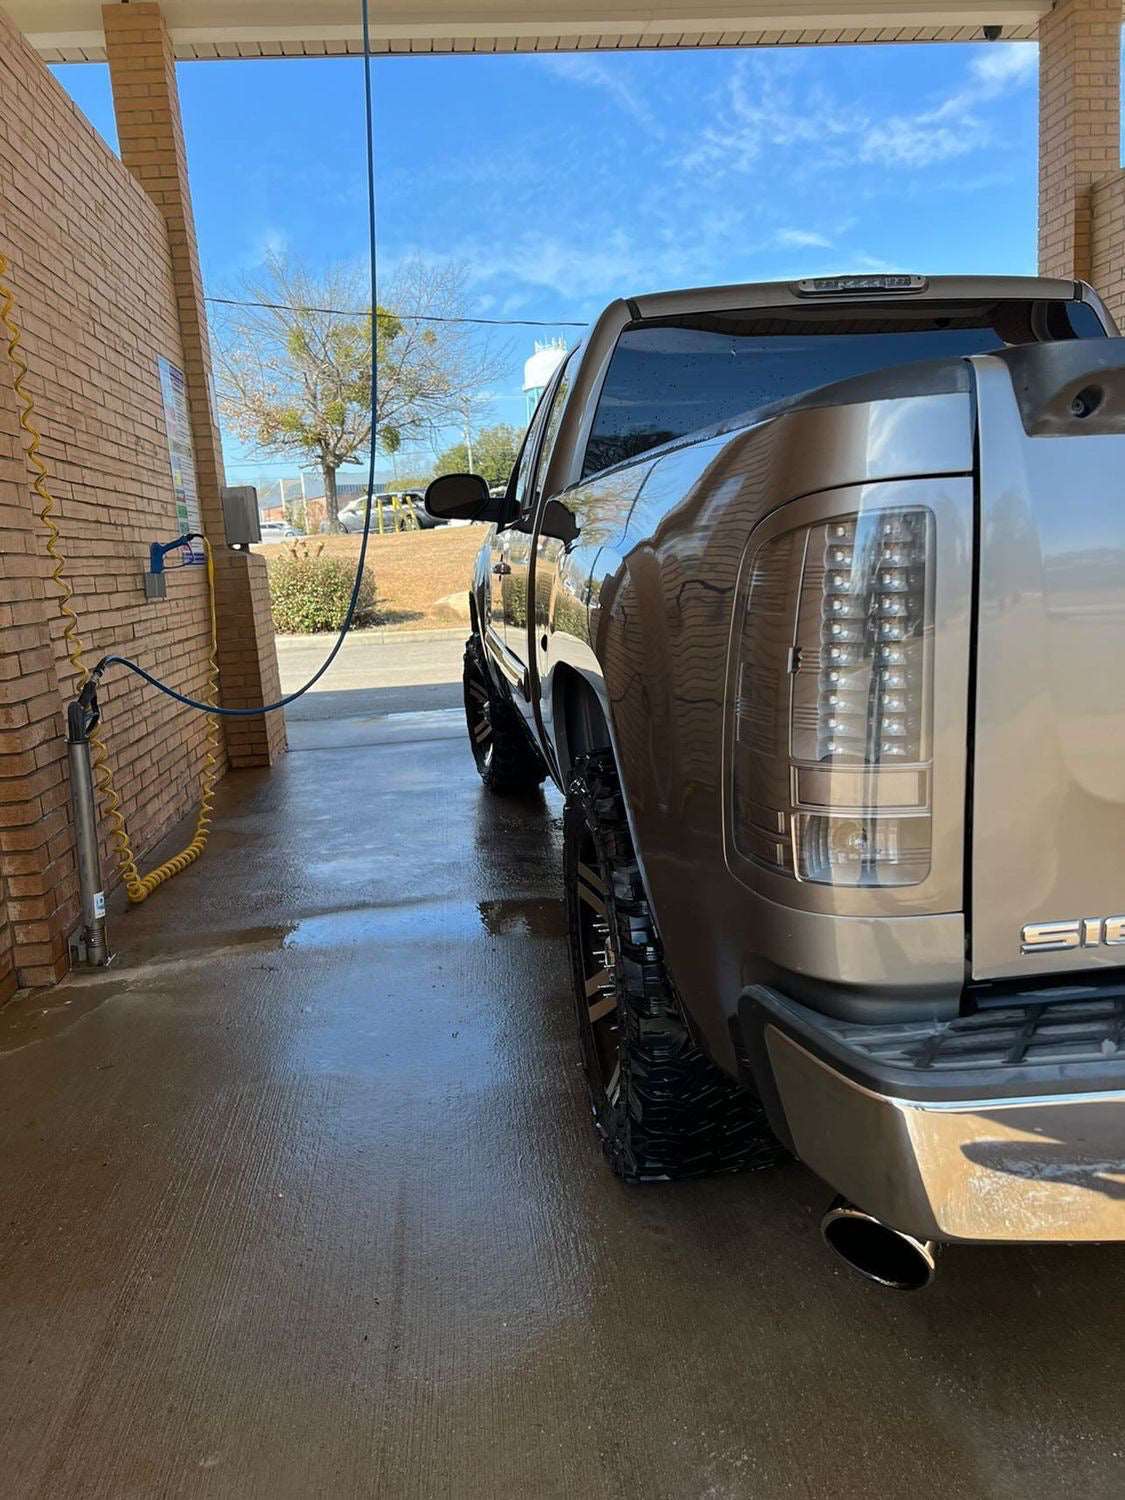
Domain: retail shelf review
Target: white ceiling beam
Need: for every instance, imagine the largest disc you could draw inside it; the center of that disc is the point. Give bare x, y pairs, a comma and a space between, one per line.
74, 26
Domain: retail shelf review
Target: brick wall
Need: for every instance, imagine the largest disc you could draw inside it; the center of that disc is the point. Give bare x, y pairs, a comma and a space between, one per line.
36, 871
1079, 126
1108, 243
92, 271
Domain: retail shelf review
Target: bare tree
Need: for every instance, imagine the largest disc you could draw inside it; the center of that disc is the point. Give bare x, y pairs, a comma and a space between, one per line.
294, 368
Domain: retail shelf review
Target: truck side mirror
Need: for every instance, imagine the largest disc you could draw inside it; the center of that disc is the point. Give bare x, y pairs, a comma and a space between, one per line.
462, 497
558, 522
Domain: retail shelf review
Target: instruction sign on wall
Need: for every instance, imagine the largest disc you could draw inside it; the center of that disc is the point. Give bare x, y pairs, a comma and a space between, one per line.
181, 454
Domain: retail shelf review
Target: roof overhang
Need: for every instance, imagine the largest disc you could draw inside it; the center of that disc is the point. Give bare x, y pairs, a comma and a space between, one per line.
71, 30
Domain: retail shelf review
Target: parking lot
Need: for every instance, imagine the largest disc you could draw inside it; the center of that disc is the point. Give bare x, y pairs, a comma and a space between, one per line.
301, 1199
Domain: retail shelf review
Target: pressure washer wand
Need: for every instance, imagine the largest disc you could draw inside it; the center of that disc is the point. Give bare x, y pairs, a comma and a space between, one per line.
82, 718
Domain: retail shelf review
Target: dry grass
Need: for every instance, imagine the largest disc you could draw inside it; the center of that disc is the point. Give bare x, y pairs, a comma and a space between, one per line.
413, 570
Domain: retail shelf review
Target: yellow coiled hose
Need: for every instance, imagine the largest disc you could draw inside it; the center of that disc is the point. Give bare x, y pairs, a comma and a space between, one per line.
138, 886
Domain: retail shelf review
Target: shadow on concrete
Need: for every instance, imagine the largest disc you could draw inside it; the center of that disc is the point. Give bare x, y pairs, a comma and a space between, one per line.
356, 702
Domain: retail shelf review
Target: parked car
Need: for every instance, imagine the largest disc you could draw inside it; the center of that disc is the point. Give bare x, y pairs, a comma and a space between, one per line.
417, 503
810, 597
278, 531
411, 513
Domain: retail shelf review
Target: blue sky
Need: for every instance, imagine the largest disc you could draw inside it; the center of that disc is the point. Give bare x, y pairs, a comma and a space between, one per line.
566, 180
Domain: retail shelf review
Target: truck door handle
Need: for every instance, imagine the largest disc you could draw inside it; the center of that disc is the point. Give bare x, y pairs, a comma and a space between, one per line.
501, 569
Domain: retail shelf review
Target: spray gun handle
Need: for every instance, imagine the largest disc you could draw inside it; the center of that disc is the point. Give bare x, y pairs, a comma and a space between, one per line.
158, 551
83, 715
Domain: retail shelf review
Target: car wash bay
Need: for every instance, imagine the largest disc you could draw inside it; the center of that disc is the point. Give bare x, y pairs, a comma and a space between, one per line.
302, 1199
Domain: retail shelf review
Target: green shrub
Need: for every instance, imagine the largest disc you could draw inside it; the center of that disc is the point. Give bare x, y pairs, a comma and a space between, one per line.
309, 591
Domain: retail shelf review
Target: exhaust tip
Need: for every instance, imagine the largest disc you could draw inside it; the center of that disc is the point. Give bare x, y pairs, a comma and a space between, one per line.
882, 1254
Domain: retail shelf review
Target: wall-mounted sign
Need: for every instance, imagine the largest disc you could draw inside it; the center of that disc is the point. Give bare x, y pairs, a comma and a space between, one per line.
181, 454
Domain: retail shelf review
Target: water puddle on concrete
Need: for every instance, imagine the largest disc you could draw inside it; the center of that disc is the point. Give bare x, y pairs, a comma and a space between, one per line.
149, 964
431, 922
542, 918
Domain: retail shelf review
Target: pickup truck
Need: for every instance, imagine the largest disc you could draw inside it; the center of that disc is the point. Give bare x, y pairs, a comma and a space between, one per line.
810, 597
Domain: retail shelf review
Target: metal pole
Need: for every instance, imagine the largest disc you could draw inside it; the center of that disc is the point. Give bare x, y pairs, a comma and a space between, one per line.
80, 720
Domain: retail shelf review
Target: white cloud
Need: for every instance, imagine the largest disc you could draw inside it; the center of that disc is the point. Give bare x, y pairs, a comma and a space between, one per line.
765, 110
915, 141
273, 243
954, 126
769, 108
1015, 63
801, 239
513, 304
586, 264
607, 78
860, 260
577, 269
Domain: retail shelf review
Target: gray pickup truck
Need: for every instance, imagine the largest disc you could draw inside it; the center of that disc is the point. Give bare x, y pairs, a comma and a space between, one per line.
810, 597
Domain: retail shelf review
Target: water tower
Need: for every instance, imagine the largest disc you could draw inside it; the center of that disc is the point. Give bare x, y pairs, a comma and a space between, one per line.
537, 371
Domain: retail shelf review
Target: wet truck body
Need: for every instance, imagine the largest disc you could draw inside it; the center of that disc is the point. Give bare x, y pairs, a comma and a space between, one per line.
834, 572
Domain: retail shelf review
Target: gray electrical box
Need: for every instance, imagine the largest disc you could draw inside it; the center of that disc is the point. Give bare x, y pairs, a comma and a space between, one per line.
240, 515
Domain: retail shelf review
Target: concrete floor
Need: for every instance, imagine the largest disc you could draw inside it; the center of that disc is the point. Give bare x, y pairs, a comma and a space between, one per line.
377, 673
302, 1200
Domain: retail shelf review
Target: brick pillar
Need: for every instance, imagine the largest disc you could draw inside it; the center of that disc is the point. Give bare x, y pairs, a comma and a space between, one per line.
38, 881
147, 105
247, 661
1109, 243
1079, 126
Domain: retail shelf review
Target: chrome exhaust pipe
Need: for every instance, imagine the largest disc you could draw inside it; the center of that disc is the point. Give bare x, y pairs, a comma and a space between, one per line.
875, 1250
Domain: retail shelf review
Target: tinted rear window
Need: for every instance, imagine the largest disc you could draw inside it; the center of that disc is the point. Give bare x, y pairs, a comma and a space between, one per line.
672, 376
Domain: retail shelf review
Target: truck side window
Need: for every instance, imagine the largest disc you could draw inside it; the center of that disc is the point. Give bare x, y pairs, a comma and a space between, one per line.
521, 482
547, 414
550, 434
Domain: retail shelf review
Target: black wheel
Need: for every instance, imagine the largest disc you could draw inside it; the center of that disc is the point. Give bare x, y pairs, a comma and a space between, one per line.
505, 757
662, 1108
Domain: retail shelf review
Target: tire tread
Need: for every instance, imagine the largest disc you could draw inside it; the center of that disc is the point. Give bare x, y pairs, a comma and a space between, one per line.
678, 1116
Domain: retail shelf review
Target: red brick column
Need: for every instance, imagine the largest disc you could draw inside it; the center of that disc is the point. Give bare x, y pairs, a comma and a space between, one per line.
1079, 126
38, 882
147, 106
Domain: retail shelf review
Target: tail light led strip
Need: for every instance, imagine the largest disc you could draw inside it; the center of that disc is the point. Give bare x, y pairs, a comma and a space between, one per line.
832, 737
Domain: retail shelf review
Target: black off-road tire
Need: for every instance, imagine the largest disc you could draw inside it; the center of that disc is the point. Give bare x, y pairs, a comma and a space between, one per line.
662, 1108
504, 755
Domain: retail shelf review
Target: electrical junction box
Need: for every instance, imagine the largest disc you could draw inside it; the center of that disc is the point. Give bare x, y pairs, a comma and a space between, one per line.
240, 515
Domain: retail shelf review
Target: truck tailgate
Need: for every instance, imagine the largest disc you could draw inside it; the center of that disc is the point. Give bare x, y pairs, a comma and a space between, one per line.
1047, 863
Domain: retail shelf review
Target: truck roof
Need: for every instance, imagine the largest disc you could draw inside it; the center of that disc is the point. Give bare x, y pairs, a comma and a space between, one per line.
874, 288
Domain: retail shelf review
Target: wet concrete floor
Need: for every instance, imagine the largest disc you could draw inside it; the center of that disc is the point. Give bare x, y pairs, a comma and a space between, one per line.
302, 1200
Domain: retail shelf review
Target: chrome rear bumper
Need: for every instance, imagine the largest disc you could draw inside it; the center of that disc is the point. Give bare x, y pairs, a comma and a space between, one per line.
1037, 1163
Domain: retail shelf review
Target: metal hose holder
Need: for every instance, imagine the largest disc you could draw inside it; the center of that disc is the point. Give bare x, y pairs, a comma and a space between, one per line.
90, 945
